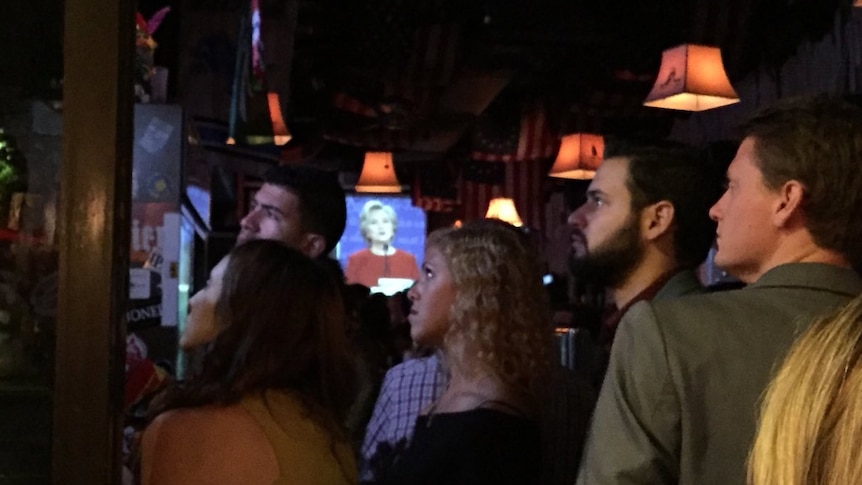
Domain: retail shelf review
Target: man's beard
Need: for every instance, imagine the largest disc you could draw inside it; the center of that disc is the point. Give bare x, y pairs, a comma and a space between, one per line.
611, 263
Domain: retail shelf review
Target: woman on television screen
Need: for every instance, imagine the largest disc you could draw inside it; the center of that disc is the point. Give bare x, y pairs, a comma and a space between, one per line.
378, 223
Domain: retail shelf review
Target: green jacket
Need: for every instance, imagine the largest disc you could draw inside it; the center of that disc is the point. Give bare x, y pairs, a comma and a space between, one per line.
679, 402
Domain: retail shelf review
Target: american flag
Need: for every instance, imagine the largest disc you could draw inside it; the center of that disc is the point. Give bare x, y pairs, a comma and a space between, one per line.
500, 138
523, 181
512, 147
492, 173
434, 188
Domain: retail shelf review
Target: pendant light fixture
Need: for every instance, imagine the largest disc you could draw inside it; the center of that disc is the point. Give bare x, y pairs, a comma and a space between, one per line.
378, 174
503, 208
579, 156
691, 78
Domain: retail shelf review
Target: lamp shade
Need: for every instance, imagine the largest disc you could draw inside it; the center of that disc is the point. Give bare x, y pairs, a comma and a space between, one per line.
378, 174
280, 134
691, 78
503, 208
579, 156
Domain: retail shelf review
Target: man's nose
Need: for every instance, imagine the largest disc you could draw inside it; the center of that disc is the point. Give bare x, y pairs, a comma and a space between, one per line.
576, 218
715, 210
250, 218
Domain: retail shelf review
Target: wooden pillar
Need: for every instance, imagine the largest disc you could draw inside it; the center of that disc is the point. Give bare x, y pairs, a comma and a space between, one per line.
93, 240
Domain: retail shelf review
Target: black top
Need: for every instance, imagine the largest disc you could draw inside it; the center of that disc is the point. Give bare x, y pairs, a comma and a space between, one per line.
471, 447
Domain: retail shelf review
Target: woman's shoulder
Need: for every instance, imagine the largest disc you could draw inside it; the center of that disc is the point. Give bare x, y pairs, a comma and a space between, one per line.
204, 417
215, 440
207, 426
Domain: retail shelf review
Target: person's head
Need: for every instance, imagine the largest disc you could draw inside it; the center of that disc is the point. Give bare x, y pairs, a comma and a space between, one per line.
811, 418
280, 324
299, 205
796, 181
480, 298
378, 223
644, 197
200, 327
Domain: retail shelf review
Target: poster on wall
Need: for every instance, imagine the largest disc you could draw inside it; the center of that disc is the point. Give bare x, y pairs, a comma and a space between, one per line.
153, 269
155, 233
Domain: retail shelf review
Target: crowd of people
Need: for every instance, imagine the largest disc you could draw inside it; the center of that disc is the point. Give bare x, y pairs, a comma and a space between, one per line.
303, 378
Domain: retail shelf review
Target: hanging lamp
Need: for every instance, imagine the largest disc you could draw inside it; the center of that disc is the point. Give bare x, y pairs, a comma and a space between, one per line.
691, 78
503, 208
280, 134
579, 156
378, 174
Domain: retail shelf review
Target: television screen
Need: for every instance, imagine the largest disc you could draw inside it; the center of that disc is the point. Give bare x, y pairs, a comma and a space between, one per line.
383, 243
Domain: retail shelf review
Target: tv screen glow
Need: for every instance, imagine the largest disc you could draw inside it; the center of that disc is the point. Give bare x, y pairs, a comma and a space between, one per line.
407, 246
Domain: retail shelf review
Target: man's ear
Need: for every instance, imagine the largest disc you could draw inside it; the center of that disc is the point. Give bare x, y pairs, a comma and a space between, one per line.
313, 244
657, 219
789, 202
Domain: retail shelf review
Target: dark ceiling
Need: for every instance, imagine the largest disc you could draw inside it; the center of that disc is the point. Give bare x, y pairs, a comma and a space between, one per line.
426, 77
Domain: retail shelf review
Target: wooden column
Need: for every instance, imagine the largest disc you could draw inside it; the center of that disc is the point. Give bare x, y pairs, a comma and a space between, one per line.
93, 240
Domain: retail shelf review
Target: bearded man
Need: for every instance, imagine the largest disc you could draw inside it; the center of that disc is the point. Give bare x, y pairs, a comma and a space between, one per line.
644, 227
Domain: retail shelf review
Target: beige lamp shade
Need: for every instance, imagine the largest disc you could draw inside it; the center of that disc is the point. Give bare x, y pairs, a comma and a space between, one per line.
503, 208
280, 134
579, 156
691, 78
378, 174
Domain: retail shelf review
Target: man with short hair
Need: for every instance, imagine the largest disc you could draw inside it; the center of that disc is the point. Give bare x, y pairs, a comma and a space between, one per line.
644, 227
678, 405
299, 205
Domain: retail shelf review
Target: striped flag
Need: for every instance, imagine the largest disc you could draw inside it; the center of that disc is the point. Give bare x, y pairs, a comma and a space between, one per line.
523, 181
434, 189
499, 139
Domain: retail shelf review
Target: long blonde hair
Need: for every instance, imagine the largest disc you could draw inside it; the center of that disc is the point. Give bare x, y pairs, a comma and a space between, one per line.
501, 314
810, 430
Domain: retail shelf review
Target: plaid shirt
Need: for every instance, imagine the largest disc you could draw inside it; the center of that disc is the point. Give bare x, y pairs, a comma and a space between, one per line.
407, 388
413, 385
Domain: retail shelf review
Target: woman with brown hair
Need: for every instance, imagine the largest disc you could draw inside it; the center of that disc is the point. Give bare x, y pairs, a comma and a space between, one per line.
811, 420
275, 382
479, 299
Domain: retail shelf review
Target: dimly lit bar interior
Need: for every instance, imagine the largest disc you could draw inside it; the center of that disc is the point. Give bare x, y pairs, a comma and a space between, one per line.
480, 196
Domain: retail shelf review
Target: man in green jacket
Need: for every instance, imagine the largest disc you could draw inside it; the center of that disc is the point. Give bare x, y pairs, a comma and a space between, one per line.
679, 401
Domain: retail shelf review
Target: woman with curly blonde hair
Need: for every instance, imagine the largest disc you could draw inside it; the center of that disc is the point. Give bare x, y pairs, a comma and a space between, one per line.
811, 419
480, 300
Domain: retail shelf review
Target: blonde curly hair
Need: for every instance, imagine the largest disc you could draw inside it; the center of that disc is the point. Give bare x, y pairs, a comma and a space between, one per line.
501, 314
811, 419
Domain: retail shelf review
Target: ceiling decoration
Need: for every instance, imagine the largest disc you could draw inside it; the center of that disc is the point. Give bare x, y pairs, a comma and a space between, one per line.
466, 84
417, 75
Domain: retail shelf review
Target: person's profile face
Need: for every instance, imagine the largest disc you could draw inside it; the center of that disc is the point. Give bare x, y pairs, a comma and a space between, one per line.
201, 326
431, 299
273, 214
607, 211
606, 237
379, 228
745, 236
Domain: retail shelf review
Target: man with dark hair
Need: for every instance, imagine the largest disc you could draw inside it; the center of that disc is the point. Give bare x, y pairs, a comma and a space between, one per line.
300, 205
679, 402
644, 227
